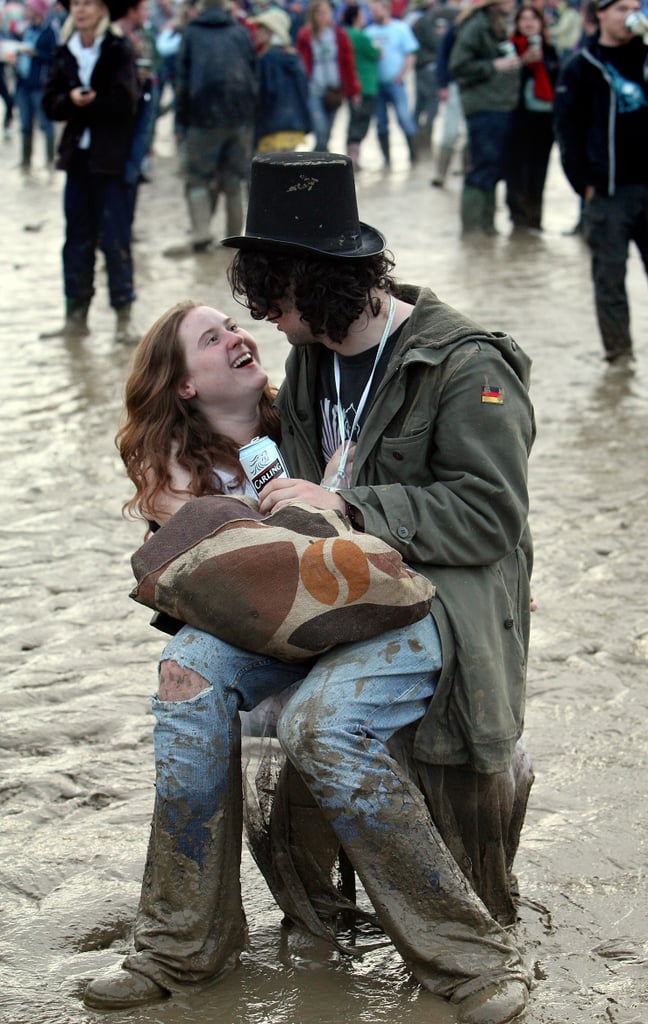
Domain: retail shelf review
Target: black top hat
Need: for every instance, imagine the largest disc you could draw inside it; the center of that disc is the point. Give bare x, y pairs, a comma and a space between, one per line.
305, 203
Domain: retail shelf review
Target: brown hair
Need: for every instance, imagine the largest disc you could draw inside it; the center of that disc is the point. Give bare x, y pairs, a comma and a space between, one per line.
159, 422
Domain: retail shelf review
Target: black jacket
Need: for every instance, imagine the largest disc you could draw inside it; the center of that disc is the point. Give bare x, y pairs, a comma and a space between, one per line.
216, 73
111, 117
585, 116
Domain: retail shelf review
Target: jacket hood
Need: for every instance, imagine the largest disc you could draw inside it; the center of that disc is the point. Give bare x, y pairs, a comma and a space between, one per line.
452, 329
213, 16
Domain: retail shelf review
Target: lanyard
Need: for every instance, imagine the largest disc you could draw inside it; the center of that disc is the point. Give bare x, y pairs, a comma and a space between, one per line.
340, 476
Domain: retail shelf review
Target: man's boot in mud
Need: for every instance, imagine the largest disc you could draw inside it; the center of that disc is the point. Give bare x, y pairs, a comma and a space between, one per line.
200, 214
26, 153
75, 324
125, 331
472, 210
384, 148
443, 163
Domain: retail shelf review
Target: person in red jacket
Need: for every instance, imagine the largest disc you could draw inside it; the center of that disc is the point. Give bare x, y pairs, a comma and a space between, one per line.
328, 58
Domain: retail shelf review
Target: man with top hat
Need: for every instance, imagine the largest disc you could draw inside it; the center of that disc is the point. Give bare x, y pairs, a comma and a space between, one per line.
601, 120
432, 416
436, 413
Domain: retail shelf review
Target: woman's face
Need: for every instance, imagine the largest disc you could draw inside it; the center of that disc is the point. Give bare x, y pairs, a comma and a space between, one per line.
221, 359
323, 15
86, 14
529, 23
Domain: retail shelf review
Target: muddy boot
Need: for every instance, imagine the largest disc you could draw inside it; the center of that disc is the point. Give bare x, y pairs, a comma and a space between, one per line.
200, 214
412, 147
26, 153
443, 163
472, 210
353, 152
119, 989
423, 139
384, 147
49, 152
488, 213
76, 321
233, 213
125, 331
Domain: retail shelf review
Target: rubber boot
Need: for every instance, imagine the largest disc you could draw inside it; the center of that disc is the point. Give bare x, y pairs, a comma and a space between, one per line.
234, 213
412, 147
443, 163
76, 321
200, 214
26, 153
125, 331
49, 152
424, 139
353, 151
488, 213
384, 147
472, 210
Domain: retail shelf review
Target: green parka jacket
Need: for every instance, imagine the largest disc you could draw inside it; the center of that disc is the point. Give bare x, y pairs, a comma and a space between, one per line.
440, 474
481, 87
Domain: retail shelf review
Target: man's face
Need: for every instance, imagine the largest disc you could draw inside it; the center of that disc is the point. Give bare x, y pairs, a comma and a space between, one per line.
612, 22
289, 322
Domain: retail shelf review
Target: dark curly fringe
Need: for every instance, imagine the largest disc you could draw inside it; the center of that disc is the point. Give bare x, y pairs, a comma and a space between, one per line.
330, 294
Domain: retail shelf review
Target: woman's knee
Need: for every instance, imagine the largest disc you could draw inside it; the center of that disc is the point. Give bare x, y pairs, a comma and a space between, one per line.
177, 682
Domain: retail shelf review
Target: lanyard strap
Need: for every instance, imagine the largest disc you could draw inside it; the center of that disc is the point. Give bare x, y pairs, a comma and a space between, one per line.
344, 440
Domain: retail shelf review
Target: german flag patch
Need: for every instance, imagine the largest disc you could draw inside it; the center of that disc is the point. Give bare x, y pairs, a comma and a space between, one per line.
492, 395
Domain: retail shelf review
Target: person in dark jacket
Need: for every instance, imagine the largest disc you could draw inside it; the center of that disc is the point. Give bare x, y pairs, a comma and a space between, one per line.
283, 117
601, 122
92, 86
440, 416
487, 68
216, 95
532, 136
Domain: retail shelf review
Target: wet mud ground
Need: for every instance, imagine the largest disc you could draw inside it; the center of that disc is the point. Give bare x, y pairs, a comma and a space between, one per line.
78, 656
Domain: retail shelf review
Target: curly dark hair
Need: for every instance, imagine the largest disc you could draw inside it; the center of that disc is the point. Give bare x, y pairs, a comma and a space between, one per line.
330, 294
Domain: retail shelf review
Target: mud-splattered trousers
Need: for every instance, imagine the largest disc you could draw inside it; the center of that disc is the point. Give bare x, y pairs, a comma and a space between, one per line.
190, 925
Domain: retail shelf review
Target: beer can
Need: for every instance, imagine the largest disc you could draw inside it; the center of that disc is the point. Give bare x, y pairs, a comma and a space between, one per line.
262, 462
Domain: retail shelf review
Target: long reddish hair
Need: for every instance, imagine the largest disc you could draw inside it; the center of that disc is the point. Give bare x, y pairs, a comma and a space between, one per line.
157, 421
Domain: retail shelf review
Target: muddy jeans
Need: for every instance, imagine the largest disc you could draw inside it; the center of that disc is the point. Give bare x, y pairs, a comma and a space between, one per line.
190, 925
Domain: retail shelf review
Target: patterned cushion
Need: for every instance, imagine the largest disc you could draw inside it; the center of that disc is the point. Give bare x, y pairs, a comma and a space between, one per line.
291, 584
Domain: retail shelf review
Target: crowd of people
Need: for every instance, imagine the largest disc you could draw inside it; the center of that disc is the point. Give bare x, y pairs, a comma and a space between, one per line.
252, 76
403, 751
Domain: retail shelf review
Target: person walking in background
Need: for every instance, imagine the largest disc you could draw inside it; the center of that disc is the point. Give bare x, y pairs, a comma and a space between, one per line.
367, 55
133, 23
92, 86
327, 54
532, 134
565, 33
428, 27
283, 114
601, 121
487, 68
452, 122
216, 94
32, 64
398, 46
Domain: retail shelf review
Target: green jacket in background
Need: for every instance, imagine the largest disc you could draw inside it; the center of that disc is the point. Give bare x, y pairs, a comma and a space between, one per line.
440, 474
482, 88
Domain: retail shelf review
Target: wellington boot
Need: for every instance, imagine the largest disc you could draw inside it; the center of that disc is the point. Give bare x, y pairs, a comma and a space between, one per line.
233, 213
424, 139
120, 988
412, 146
125, 331
26, 153
200, 215
488, 213
472, 210
384, 148
443, 163
49, 152
353, 151
75, 324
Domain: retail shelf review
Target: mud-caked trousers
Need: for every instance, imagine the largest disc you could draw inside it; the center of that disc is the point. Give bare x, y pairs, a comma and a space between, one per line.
190, 925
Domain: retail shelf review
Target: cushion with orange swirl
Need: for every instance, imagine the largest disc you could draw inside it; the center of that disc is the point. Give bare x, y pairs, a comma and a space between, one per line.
291, 584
